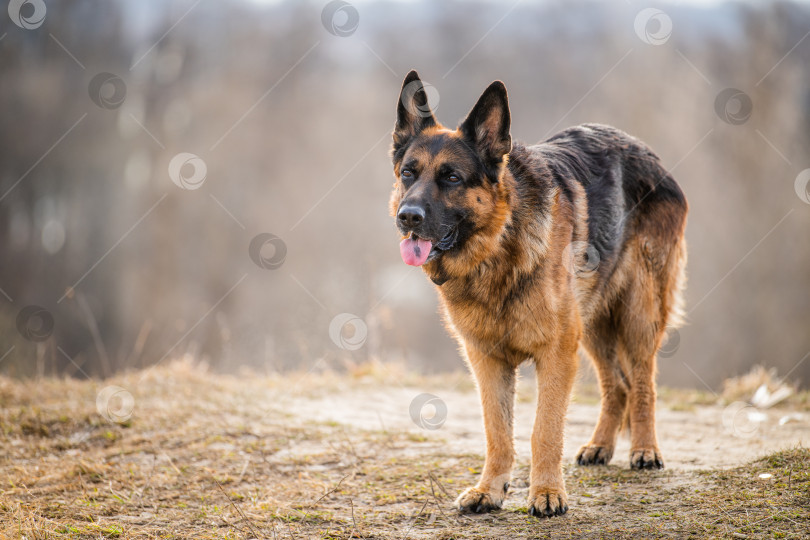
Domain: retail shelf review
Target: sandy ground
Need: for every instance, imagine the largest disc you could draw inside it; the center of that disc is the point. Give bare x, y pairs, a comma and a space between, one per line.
691, 436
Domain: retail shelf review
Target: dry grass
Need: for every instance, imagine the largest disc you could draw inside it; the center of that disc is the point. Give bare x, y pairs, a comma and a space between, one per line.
204, 457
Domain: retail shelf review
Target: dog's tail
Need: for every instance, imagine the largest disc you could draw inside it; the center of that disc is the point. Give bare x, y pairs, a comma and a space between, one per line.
677, 314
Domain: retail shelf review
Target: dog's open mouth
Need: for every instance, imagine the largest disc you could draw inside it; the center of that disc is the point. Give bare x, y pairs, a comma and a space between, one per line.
448, 240
417, 251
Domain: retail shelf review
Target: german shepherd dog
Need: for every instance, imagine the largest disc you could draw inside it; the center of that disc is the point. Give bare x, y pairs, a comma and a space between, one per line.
535, 250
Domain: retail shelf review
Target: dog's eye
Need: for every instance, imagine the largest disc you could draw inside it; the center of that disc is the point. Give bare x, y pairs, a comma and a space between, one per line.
453, 179
406, 173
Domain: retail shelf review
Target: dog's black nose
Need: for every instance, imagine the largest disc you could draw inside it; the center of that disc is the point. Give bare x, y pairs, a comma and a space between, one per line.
411, 216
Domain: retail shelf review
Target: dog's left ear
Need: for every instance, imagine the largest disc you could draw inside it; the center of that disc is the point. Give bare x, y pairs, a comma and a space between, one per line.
487, 126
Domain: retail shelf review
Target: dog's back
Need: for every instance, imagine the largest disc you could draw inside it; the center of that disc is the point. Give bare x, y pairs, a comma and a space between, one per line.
628, 196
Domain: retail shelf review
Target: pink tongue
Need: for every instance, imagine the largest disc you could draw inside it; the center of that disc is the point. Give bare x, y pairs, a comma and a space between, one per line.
415, 252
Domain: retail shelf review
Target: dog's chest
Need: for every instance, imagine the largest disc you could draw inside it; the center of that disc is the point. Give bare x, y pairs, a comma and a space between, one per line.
497, 324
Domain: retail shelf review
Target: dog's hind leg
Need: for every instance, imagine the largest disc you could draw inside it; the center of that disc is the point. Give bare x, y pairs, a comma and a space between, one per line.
601, 344
643, 323
644, 451
496, 385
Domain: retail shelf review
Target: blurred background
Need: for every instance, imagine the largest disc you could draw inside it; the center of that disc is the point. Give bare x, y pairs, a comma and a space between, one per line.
211, 178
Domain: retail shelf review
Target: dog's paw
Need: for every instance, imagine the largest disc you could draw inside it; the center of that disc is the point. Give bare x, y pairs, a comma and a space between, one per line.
547, 502
594, 455
475, 500
646, 458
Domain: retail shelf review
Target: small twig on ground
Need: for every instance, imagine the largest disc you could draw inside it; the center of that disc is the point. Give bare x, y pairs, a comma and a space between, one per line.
232, 526
333, 490
322, 497
734, 521
441, 487
417, 516
249, 523
435, 498
354, 521
769, 516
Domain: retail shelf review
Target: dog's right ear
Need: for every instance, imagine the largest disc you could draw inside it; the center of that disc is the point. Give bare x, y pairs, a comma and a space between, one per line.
413, 111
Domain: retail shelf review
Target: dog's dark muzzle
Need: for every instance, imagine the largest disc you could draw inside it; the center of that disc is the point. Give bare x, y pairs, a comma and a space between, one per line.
410, 217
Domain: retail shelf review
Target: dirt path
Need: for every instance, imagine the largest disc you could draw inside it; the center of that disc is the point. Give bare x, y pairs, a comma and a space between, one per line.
696, 438
195, 455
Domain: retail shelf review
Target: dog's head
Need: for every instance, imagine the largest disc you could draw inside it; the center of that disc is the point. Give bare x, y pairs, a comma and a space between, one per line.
447, 188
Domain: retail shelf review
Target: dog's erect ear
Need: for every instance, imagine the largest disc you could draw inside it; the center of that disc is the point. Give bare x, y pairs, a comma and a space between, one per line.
413, 110
487, 125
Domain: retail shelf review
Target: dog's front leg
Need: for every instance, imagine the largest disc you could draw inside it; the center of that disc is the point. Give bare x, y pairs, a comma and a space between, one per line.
556, 369
496, 386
